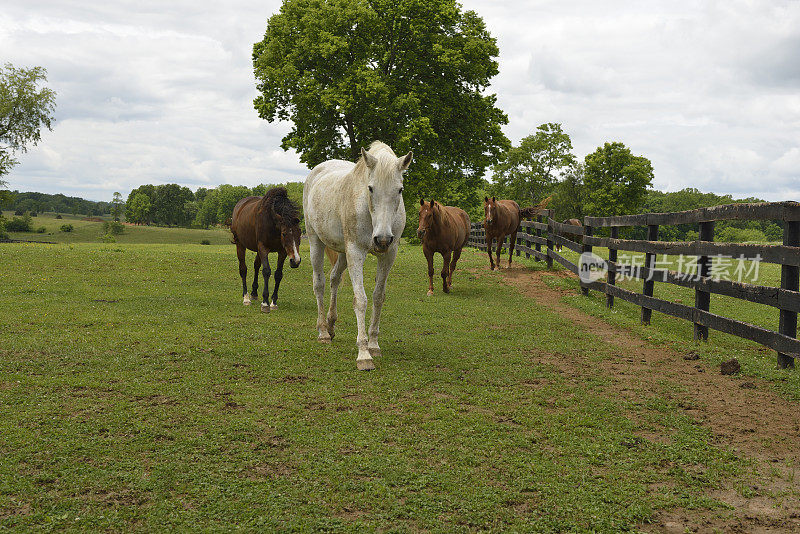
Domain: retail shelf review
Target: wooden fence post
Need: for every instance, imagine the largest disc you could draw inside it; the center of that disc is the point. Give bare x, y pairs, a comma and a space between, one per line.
549, 243
649, 264
702, 299
612, 274
790, 279
538, 234
587, 232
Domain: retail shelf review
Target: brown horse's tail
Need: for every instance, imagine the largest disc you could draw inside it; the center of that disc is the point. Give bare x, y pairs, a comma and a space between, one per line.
534, 210
333, 256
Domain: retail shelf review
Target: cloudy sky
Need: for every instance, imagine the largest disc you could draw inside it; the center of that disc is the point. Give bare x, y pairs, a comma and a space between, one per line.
160, 92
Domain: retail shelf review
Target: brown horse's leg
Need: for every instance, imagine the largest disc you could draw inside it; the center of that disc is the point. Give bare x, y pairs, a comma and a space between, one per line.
264, 253
240, 253
499, 248
489, 249
446, 271
256, 268
456, 255
512, 242
278, 278
429, 256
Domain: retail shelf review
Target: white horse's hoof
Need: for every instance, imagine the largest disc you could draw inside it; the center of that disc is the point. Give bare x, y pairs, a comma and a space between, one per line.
273, 306
430, 292
324, 338
246, 300
365, 365
375, 352
265, 307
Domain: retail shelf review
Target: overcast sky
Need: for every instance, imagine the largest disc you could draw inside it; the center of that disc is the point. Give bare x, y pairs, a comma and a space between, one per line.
161, 92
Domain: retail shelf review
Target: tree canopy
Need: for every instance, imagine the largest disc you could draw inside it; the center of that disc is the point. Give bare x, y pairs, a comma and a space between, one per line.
411, 73
25, 109
529, 172
615, 181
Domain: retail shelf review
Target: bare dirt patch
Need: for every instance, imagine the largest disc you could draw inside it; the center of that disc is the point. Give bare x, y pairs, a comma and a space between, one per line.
750, 420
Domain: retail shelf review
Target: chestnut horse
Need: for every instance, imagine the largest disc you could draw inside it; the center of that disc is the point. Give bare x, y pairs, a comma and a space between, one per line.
266, 224
571, 237
502, 218
442, 229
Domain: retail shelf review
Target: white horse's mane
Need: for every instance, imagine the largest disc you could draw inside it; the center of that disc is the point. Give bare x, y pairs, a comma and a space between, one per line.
387, 161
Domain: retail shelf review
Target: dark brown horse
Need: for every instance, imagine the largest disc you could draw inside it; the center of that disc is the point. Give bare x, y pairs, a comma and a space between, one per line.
442, 229
266, 224
571, 237
502, 218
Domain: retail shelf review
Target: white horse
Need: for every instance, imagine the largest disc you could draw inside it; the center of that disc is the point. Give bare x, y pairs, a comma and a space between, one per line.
355, 209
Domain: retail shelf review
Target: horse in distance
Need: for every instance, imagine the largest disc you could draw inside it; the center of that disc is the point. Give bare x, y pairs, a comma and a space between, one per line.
355, 209
502, 218
571, 237
442, 229
264, 225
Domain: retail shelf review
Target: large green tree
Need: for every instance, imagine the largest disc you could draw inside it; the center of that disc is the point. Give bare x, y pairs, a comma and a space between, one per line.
529, 171
615, 181
137, 209
25, 108
412, 73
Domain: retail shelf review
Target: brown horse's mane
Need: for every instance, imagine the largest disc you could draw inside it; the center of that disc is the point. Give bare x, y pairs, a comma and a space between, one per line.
278, 199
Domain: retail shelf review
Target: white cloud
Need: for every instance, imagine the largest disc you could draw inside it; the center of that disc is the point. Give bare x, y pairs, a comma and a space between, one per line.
154, 92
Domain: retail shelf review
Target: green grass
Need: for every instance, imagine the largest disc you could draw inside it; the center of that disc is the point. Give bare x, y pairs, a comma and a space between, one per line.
756, 360
92, 232
137, 393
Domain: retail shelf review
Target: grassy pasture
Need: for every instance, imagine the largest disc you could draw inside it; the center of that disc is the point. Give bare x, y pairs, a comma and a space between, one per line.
92, 232
137, 393
756, 360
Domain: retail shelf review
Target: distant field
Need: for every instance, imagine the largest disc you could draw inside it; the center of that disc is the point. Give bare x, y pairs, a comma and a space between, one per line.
92, 232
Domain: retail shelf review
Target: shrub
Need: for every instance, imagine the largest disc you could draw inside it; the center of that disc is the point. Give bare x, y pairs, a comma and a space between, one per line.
34, 214
108, 238
41, 230
59, 216
19, 213
113, 227
19, 224
739, 235
205, 242
66, 228
3, 233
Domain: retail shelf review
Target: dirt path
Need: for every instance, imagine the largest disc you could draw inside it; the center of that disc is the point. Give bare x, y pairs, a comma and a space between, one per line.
743, 416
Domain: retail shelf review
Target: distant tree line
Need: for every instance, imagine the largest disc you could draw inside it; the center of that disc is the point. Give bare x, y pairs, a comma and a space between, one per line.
31, 202
174, 205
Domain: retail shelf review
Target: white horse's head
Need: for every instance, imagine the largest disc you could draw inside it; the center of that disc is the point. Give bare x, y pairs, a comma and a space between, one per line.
385, 185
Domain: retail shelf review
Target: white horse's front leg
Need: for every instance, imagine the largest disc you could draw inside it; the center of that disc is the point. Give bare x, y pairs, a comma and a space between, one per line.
355, 265
385, 263
336, 277
317, 266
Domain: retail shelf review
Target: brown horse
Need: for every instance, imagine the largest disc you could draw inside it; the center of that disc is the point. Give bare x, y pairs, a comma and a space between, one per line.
571, 237
502, 218
266, 224
442, 229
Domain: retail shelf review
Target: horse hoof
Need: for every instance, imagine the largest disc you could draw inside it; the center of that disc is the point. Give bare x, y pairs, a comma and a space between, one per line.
430, 292
365, 365
324, 338
265, 307
375, 352
246, 300
273, 306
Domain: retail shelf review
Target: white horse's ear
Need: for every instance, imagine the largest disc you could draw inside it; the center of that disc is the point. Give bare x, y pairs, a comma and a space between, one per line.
405, 161
369, 159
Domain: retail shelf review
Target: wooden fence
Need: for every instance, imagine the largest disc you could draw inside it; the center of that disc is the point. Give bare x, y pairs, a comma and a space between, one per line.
538, 239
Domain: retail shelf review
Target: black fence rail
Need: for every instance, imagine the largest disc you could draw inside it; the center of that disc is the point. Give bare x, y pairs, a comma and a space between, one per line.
544, 237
